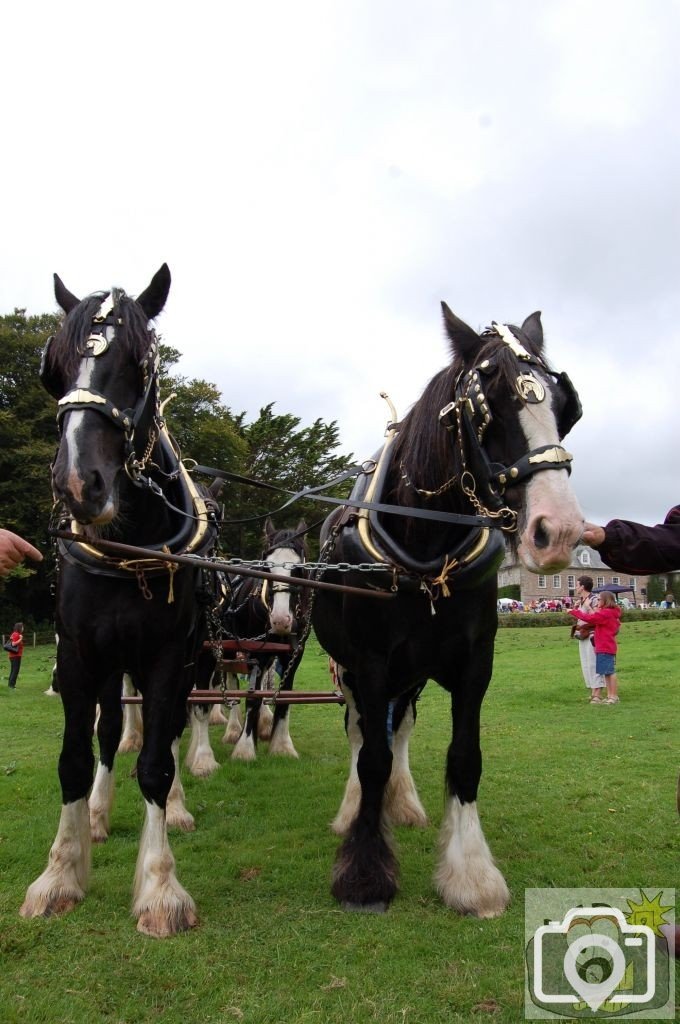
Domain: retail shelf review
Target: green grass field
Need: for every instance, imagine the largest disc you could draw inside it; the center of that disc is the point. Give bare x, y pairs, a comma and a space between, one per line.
572, 795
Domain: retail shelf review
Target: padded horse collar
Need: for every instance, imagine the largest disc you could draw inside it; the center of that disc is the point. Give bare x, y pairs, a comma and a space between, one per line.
362, 538
196, 535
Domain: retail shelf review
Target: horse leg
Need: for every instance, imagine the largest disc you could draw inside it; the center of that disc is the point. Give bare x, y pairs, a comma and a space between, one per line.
365, 871
349, 807
200, 759
109, 728
234, 721
131, 740
176, 811
266, 718
161, 905
246, 747
280, 742
402, 803
63, 882
217, 716
467, 878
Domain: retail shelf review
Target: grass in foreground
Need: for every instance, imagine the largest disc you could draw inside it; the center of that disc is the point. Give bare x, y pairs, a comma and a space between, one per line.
572, 795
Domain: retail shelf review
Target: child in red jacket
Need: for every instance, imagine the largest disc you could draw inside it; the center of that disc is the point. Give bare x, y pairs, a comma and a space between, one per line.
607, 621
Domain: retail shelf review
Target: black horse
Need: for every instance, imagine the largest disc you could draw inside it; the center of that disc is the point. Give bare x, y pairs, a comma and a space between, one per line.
271, 611
466, 459
117, 471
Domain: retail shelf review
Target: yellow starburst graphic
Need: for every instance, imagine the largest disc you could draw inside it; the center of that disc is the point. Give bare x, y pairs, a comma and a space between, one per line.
648, 912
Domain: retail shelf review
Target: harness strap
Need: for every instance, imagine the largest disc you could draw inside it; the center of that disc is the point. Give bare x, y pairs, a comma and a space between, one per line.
312, 494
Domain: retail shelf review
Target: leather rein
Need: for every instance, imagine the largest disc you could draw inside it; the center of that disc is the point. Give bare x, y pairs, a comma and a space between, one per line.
466, 418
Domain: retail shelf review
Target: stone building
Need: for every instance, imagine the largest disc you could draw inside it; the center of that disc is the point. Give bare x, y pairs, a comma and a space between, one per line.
557, 586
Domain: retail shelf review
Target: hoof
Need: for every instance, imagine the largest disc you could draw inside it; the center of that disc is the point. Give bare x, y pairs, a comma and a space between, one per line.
130, 746
204, 768
232, 736
51, 908
245, 749
283, 749
181, 820
217, 716
161, 926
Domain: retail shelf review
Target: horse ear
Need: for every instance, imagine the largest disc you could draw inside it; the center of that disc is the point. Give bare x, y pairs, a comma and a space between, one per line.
533, 328
301, 527
464, 341
66, 300
269, 528
153, 298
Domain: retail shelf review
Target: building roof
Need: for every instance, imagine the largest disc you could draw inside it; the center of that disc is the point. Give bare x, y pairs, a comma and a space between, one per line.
583, 559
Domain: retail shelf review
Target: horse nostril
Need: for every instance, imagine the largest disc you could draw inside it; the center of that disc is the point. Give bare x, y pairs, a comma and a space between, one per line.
541, 535
95, 484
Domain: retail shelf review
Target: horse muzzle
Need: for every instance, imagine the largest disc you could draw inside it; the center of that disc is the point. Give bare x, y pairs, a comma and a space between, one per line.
89, 499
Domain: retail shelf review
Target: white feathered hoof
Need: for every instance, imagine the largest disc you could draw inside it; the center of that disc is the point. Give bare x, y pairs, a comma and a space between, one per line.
204, 766
245, 749
161, 922
131, 744
349, 808
281, 745
481, 892
179, 817
99, 827
467, 879
40, 902
402, 803
234, 726
265, 721
217, 716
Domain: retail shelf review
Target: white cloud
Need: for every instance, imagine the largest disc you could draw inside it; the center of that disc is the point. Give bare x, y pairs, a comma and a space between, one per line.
319, 175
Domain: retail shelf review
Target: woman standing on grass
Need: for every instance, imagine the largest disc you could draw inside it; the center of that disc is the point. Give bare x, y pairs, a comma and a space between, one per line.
587, 602
17, 640
607, 622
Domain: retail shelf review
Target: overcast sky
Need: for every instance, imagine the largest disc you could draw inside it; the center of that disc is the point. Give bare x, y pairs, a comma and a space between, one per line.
319, 175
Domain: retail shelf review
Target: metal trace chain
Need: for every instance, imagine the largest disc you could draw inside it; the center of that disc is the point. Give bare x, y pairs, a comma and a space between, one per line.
311, 566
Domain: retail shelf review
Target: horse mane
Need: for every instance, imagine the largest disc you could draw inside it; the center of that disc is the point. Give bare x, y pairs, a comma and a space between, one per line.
423, 449
65, 351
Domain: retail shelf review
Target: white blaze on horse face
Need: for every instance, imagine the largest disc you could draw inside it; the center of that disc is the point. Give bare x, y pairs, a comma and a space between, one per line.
74, 442
554, 520
281, 614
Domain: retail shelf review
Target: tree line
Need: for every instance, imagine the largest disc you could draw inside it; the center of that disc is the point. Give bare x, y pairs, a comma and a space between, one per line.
275, 448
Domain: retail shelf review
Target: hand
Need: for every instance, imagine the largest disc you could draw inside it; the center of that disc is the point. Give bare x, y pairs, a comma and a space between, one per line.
13, 550
592, 535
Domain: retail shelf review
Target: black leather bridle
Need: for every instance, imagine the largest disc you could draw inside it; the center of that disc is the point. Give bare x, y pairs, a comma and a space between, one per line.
140, 424
469, 415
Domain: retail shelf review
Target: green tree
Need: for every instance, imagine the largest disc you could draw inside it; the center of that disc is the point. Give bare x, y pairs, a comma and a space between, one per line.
27, 444
281, 452
274, 448
204, 427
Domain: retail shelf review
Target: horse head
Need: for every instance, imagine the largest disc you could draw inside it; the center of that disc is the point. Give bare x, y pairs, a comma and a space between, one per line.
283, 549
102, 367
509, 414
